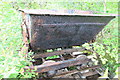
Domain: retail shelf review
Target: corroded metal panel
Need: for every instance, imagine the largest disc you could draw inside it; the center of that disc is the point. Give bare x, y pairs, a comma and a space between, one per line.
48, 32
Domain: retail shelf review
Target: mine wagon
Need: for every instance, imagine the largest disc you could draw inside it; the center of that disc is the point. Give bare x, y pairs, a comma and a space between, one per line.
60, 30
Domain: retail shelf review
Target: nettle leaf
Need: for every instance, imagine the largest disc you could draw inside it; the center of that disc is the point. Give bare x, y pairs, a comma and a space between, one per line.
87, 46
1, 76
13, 75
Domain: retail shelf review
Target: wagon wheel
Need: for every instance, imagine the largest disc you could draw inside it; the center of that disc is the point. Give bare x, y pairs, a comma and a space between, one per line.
93, 77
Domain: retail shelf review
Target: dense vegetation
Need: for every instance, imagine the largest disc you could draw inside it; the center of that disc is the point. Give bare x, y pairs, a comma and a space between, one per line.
12, 62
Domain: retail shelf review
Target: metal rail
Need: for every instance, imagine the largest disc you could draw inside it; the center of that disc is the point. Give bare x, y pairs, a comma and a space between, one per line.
57, 65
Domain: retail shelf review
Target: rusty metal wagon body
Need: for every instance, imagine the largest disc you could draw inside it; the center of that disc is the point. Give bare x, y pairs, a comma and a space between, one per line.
51, 29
